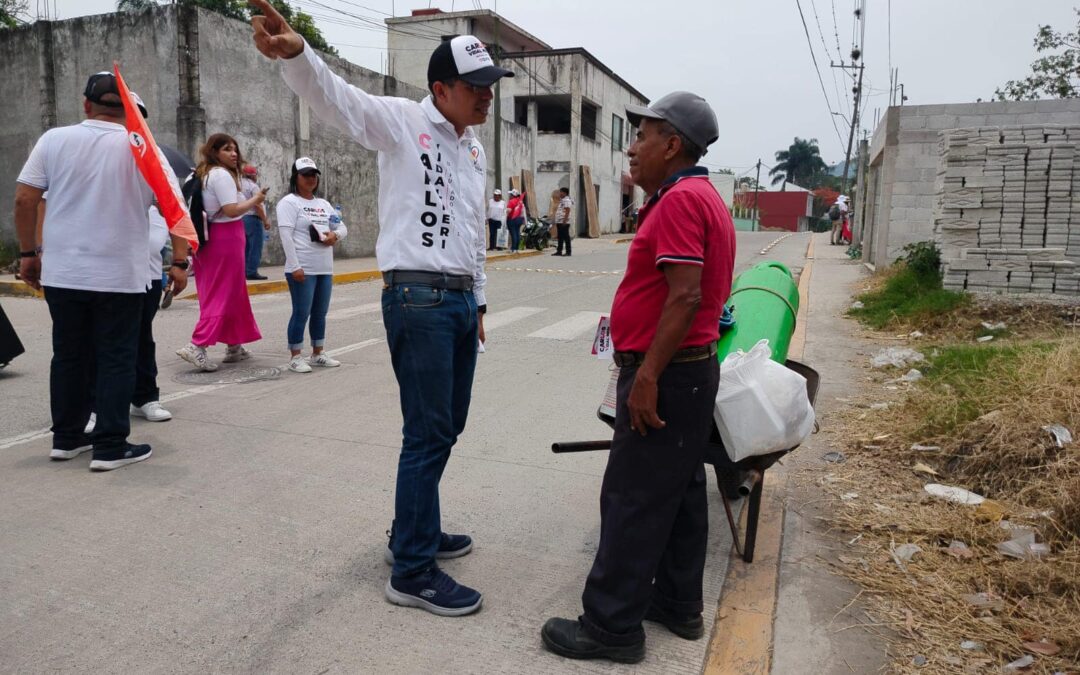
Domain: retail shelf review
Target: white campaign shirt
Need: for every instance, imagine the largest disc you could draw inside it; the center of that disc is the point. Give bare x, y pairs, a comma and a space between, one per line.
295, 217
496, 209
432, 183
159, 235
96, 233
219, 189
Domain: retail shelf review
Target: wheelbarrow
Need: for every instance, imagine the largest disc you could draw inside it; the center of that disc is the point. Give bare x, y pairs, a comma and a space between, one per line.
745, 478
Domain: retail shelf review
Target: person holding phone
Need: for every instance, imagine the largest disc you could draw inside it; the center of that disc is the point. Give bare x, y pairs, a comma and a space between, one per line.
255, 223
309, 227
224, 307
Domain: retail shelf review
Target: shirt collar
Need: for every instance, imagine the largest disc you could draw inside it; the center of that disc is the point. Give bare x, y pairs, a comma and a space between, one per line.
100, 124
433, 114
692, 172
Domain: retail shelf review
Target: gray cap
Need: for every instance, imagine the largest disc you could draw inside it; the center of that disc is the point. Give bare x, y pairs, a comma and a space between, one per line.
688, 113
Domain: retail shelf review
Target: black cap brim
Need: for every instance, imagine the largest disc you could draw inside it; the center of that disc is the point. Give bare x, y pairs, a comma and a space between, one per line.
485, 77
636, 113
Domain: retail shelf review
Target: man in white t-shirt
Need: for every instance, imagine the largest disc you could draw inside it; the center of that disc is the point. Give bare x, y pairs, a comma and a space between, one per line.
496, 213
562, 221
93, 270
432, 182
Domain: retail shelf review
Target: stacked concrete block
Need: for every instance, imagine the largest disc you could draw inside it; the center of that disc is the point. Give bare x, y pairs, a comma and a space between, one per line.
1007, 215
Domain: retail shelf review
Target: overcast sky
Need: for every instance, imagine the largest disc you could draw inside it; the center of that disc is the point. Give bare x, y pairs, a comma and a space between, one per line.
749, 58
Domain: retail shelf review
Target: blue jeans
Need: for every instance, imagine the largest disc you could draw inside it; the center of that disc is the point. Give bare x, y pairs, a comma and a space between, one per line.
514, 224
310, 300
432, 335
253, 234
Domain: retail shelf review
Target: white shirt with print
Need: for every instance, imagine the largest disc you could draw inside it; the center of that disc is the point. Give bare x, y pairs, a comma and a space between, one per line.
295, 218
432, 183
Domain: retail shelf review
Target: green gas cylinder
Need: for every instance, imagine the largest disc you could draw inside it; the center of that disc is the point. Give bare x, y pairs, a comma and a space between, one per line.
765, 301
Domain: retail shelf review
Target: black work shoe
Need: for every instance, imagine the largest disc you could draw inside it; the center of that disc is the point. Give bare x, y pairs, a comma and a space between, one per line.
567, 637
686, 626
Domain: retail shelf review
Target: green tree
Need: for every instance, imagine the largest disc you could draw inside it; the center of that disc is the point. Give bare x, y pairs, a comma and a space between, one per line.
799, 164
234, 9
134, 5
10, 11
1056, 75
304, 24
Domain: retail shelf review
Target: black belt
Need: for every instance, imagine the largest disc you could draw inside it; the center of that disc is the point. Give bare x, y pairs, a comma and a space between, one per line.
449, 282
625, 359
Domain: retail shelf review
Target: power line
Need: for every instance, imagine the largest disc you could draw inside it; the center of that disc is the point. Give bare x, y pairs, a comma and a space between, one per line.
821, 81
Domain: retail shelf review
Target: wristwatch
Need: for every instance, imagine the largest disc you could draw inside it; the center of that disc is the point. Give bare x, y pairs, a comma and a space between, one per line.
181, 265
28, 254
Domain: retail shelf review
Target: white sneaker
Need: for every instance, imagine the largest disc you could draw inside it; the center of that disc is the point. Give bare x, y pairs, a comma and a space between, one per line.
151, 411
323, 361
299, 365
91, 424
57, 453
235, 354
197, 357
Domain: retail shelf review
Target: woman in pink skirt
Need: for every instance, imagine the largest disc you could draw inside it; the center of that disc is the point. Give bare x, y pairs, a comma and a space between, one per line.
224, 308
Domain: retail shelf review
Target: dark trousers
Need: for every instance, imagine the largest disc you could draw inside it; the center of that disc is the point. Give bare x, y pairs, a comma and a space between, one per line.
146, 388
253, 244
493, 232
92, 331
564, 236
432, 335
653, 509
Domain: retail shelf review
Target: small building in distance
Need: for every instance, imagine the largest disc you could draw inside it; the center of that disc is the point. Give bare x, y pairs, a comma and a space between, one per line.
562, 118
789, 209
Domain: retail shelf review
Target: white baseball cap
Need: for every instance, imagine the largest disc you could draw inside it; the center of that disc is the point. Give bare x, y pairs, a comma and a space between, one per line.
498, 192
305, 164
465, 58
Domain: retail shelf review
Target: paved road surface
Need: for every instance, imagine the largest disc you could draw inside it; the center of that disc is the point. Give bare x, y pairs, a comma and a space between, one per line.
252, 540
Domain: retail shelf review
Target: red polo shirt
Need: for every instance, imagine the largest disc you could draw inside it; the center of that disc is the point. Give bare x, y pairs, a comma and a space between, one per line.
685, 223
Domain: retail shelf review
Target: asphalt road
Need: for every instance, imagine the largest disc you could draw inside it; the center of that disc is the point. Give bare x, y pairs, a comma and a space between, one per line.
252, 540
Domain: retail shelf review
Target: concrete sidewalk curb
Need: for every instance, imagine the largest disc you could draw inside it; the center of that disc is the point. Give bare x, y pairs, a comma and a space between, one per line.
19, 289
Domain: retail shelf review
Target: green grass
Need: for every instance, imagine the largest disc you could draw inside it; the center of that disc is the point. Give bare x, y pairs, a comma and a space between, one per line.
906, 298
969, 381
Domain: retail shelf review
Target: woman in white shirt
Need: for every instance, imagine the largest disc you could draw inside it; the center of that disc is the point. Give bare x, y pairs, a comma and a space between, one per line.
224, 307
309, 227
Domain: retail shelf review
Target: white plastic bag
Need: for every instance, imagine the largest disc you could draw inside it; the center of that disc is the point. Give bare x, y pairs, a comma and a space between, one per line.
761, 406
502, 239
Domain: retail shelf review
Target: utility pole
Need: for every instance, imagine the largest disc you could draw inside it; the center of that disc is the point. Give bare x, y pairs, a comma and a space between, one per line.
860, 194
498, 111
757, 189
851, 134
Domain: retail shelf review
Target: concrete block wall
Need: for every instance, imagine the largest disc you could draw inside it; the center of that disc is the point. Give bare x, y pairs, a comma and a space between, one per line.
1008, 199
904, 156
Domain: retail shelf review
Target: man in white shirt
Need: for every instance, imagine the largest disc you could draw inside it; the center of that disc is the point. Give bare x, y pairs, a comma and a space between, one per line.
562, 221
93, 269
432, 180
496, 213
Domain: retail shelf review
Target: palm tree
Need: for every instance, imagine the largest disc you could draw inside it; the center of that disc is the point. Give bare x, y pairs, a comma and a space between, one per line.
799, 163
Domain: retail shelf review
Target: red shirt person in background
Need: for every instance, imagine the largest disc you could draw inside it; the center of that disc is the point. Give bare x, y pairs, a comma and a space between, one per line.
664, 324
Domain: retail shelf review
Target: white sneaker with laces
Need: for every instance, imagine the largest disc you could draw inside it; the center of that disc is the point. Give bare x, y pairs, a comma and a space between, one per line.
299, 365
235, 354
323, 361
151, 411
197, 357
91, 424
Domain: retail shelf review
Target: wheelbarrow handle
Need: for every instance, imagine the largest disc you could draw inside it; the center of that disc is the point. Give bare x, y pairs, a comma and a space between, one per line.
580, 446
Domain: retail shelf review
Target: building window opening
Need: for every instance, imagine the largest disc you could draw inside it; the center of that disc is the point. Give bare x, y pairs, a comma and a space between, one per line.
589, 113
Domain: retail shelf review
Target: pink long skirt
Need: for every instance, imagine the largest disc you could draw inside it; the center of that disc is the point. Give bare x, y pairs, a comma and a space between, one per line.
224, 307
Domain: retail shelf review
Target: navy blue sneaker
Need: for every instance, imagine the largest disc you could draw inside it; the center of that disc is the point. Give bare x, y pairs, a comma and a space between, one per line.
450, 546
435, 591
69, 453
114, 459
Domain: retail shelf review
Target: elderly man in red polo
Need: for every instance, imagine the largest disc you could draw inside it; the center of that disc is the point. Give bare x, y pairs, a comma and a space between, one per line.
664, 324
